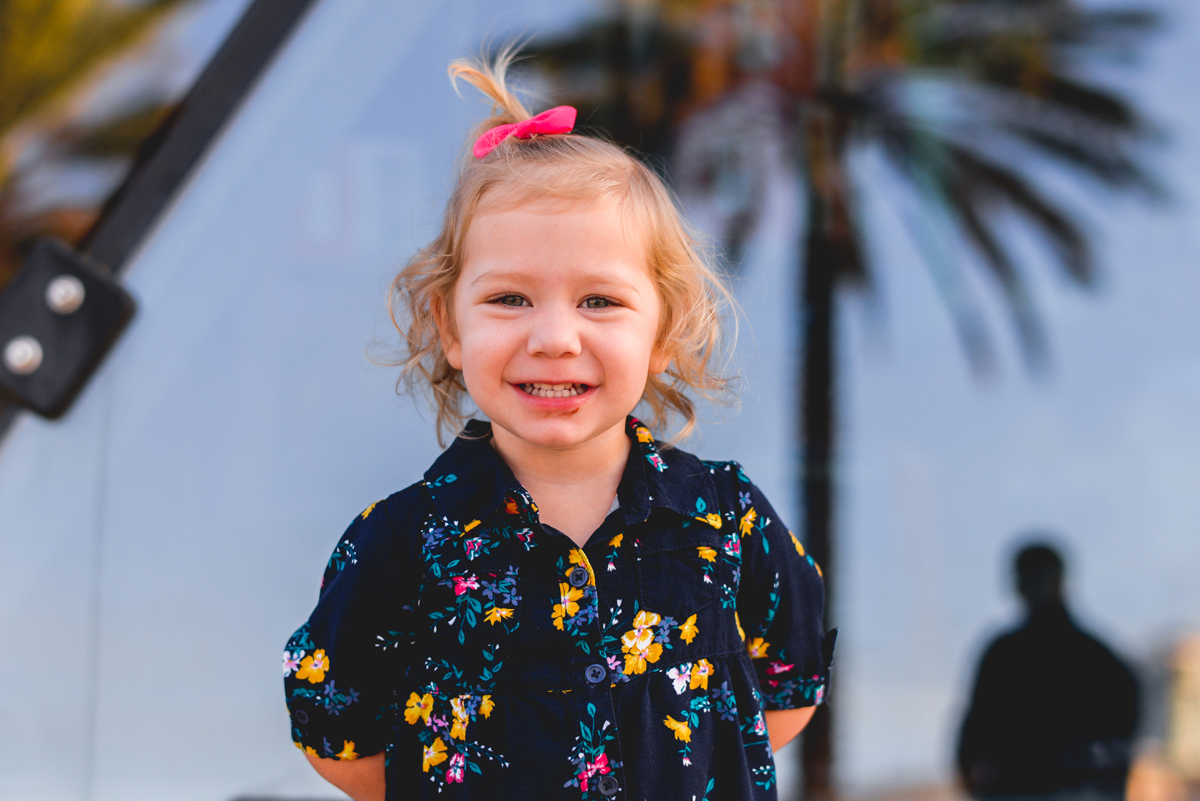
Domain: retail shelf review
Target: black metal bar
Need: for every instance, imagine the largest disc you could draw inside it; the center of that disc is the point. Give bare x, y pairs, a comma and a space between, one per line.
168, 157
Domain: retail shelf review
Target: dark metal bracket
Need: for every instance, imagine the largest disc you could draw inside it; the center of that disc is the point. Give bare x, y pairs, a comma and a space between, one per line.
58, 318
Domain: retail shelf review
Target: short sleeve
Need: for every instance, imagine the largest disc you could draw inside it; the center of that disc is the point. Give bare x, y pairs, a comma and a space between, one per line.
340, 667
781, 605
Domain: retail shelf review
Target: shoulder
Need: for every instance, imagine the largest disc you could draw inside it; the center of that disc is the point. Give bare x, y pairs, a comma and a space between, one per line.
387, 529
724, 478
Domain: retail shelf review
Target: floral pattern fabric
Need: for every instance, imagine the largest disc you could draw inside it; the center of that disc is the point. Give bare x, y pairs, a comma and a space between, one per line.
489, 656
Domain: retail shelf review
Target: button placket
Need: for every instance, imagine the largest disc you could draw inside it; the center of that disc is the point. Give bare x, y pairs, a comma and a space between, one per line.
608, 786
595, 674
579, 576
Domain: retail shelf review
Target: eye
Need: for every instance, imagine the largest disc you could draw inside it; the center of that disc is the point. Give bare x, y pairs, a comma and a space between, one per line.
509, 300
597, 302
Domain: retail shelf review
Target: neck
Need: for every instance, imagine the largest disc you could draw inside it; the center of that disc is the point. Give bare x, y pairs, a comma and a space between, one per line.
587, 463
573, 488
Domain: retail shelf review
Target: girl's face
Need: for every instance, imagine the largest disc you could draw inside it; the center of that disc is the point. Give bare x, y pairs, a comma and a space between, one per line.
555, 321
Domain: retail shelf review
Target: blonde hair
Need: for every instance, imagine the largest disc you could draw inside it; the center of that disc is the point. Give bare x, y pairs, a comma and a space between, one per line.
570, 167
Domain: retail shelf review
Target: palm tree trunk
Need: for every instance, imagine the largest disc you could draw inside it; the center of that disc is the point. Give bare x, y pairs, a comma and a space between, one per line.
819, 429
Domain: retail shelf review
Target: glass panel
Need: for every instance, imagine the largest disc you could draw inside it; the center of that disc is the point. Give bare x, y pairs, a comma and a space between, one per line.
82, 87
182, 512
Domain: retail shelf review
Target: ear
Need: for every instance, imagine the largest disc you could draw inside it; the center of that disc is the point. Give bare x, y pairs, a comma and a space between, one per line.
660, 359
450, 344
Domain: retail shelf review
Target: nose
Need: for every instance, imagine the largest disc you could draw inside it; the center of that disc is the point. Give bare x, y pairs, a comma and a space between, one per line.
554, 333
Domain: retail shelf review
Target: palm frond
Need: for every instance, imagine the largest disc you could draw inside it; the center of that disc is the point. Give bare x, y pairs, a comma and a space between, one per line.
1104, 161
990, 181
47, 46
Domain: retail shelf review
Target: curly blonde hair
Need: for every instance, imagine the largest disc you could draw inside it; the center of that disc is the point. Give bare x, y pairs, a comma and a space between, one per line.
577, 168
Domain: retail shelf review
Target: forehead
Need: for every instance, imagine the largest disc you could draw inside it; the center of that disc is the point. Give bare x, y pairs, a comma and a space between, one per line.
553, 237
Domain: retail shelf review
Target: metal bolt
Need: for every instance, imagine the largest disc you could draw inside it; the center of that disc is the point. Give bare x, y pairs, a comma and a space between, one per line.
23, 355
65, 294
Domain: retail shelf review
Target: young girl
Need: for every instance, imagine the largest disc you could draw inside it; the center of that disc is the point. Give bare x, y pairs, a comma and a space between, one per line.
562, 608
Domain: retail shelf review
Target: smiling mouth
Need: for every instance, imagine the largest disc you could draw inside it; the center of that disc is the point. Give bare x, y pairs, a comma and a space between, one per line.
554, 390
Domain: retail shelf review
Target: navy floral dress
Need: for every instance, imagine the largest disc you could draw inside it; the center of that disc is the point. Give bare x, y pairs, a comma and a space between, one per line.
490, 657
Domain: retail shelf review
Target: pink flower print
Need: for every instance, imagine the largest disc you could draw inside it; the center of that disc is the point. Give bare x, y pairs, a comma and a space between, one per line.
760, 724
820, 693
614, 664
291, 661
592, 768
657, 461
455, 772
687, 763
778, 667
472, 547
462, 584
733, 545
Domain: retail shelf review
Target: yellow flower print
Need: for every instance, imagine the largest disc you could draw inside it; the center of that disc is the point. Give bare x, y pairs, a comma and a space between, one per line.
347, 753
498, 613
757, 648
738, 622
433, 755
369, 510
681, 729
644, 435
470, 526
707, 554
313, 667
568, 595
616, 541
459, 728
309, 750
796, 542
639, 645
818, 567
688, 630
578, 557
486, 705
747, 523
712, 519
700, 673
418, 708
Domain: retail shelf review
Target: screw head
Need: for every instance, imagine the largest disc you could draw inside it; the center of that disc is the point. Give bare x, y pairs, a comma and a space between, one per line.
23, 355
65, 294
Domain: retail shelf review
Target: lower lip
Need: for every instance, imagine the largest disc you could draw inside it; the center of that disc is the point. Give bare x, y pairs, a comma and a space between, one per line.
555, 404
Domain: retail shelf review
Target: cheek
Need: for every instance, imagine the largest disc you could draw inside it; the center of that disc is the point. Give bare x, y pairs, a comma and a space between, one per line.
484, 351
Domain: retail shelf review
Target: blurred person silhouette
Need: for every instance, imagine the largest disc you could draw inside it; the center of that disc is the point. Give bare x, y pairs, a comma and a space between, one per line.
1054, 711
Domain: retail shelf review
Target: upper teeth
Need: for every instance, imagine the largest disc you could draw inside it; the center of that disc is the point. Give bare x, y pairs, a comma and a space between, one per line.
553, 390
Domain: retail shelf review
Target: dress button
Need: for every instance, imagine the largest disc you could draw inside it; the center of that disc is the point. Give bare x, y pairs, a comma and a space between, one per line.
301, 716
595, 673
578, 577
608, 786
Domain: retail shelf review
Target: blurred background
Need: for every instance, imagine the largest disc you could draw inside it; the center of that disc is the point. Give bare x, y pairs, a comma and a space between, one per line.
962, 234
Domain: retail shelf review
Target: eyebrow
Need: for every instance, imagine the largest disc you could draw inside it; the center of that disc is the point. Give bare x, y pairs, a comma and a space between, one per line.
517, 275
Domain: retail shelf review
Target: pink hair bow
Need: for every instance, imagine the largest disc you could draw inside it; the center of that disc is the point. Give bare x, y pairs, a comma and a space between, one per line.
560, 119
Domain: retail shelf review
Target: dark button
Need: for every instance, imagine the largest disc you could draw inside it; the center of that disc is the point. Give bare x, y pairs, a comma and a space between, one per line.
578, 577
608, 786
595, 673
301, 716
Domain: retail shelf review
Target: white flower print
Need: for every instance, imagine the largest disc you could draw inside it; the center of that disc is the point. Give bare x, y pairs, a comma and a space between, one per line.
680, 676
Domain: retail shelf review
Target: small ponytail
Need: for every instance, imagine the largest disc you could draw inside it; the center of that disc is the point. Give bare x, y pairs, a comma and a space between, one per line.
489, 79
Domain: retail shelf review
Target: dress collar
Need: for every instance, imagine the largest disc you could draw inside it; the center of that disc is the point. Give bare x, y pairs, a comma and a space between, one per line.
470, 481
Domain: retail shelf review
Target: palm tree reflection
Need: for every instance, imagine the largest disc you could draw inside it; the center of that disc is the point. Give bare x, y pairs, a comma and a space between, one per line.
965, 98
